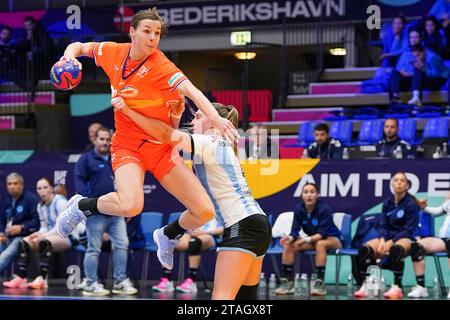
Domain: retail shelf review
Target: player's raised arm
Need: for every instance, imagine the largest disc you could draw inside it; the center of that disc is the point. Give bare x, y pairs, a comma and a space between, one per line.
77, 49
227, 129
156, 128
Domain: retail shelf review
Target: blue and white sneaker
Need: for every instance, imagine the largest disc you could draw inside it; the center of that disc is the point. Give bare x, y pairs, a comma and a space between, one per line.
67, 221
166, 247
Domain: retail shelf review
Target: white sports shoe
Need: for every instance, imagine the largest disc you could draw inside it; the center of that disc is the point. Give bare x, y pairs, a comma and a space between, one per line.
166, 247
82, 285
418, 292
415, 101
163, 286
362, 292
69, 218
95, 289
124, 287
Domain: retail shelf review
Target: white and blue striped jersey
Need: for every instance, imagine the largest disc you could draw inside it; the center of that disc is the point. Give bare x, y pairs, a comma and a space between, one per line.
49, 212
221, 175
444, 230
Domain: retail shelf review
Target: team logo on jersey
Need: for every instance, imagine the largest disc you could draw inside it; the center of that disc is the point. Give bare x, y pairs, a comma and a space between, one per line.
128, 92
314, 222
143, 71
19, 209
400, 214
174, 78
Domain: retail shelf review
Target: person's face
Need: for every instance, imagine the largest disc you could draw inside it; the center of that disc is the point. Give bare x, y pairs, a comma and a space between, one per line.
102, 141
309, 195
91, 131
390, 129
146, 36
201, 124
430, 26
28, 24
414, 38
400, 183
320, 137
397, 25
14, 187
5, 35
44, 190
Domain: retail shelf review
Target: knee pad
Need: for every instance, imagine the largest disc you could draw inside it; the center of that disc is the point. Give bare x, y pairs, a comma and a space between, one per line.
447, 246
365, 254
45, 249
396, 253
247, 293
195, 246
417, 252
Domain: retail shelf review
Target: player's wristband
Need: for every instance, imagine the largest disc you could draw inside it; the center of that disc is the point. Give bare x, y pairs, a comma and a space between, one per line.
307, 239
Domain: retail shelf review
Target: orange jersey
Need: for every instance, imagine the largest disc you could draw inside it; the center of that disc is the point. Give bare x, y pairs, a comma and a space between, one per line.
146, 87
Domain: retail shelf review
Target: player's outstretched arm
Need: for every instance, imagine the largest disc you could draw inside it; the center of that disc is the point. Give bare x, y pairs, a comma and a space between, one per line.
75, 50
156, 128
186, 88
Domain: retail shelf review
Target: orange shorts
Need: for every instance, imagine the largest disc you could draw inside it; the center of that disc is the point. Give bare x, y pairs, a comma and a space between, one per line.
159, 159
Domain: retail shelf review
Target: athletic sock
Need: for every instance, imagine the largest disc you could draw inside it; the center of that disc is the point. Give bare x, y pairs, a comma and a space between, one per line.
167, 274
174, 230
193, 274
320, 270
287, 271
421, 280
88, 206
398, 276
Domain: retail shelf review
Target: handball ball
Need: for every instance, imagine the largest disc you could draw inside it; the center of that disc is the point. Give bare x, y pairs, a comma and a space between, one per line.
65, 75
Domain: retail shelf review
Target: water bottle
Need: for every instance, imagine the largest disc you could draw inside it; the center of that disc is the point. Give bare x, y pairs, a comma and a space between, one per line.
382, 286
297, 284
345, 155
304, 289
272, 284
398, 154
262, 285
436, 288
313, 280
444, 150
350, 286
438, 153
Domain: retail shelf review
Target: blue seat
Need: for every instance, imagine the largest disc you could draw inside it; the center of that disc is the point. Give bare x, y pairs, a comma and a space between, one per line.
305, 135
436, 128
370, 132
342, 131
174, 216
150, 221
407, 130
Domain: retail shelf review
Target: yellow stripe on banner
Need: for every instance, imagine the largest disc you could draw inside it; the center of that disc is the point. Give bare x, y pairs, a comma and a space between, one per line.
140, 104
267, 177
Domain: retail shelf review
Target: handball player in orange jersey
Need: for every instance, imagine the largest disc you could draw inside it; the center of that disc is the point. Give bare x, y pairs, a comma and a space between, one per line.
142, 77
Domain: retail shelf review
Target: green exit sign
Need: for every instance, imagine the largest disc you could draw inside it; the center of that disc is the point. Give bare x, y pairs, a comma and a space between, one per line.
240, 38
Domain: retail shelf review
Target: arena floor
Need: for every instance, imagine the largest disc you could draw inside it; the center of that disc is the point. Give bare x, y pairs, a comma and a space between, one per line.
58, 291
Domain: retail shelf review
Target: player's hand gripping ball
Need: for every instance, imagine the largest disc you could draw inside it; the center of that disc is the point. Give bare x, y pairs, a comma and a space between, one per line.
65, 75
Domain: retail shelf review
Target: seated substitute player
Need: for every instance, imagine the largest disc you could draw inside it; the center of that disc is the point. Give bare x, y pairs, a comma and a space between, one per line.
324, 147
392, 146
398, 224
314, 218
429, 245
